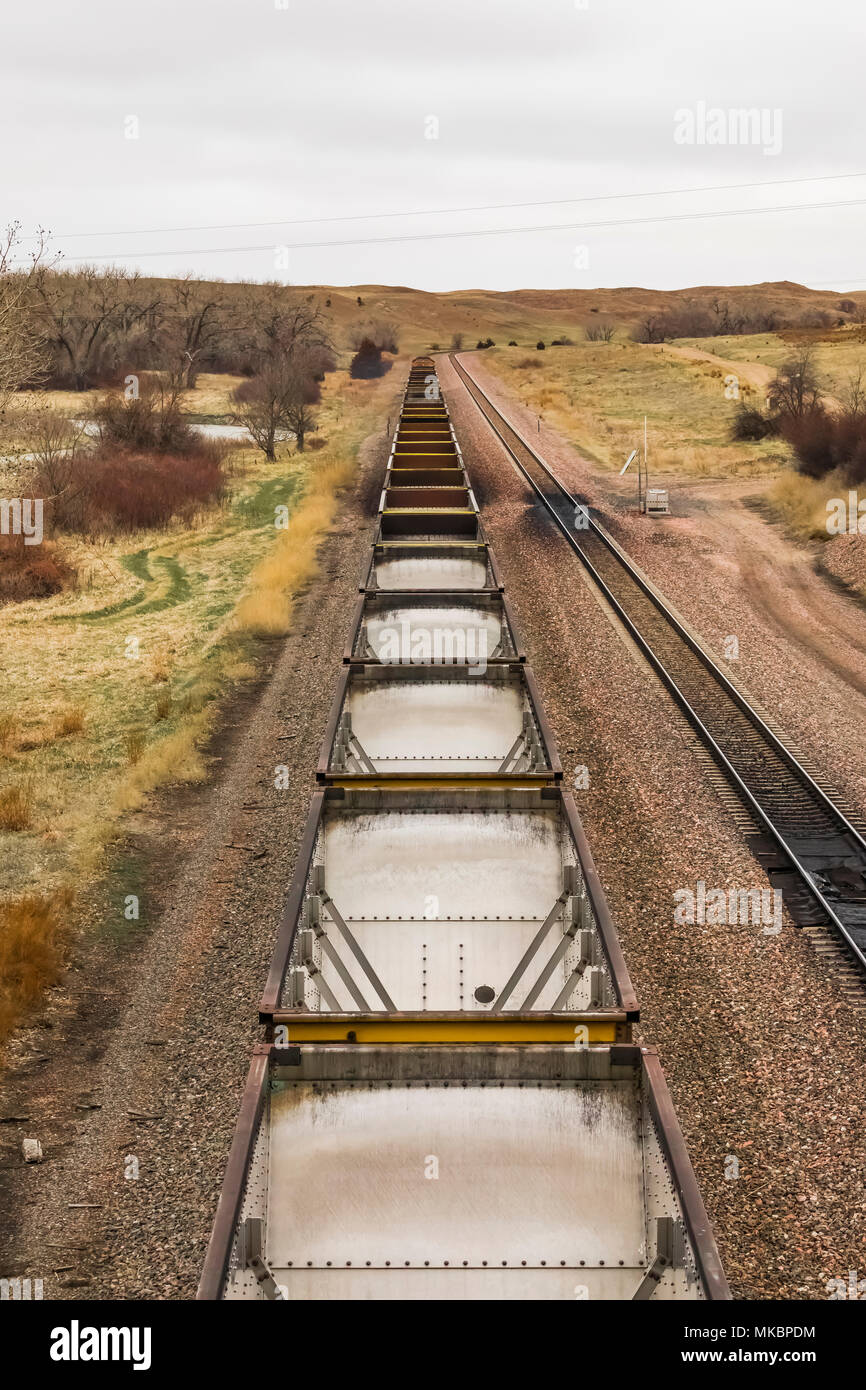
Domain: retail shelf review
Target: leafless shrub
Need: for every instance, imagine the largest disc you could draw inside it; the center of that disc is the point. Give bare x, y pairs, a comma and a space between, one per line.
32, 571
853, 395
796, 389
117, 490
53, 440
600, 332
752, 424
70, 721
276, 403
823, 443
16, 806
163, 706
147, 418
135, 745
381, 333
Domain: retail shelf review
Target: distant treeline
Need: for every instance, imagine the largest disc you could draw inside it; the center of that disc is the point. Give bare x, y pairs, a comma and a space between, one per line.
719, 318
95, 326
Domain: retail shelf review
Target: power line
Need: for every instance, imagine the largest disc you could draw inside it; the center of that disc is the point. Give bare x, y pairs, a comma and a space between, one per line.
483, 207
482, 232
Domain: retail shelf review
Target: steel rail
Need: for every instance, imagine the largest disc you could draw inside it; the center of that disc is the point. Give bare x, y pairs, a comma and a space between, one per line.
475, 391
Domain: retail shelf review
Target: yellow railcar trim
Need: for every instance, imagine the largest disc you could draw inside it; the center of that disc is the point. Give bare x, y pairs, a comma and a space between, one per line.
436, 782
470, 1031
438, 545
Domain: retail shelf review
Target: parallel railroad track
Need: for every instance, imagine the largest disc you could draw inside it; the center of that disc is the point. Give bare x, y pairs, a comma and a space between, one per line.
813, 852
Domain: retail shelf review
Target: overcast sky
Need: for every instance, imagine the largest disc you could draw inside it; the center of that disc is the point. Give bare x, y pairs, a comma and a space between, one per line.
263, 111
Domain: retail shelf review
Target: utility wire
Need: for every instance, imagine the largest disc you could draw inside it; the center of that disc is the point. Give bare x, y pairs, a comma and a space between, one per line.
482, 232
484, 207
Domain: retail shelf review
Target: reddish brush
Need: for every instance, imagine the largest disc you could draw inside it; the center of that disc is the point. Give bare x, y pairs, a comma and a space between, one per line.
31, 571
119, 490
823, 443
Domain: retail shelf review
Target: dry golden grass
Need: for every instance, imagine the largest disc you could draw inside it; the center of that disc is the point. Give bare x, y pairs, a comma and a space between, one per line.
163, 706
802, 502
158, 666
212, 394
597, 394
16, 806
31, 739
8, 732
70, 721
173, 759
839, 355
32, 932
266, 609
135, 743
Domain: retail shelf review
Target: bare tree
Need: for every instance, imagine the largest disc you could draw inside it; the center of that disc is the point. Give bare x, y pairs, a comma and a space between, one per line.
53, 440
275, 404
457, 342
853, 395
22, 355
796, 389
191, 328
652, 328
291, 348
299, 417
725, 319
87, 314
281, 326
600, 332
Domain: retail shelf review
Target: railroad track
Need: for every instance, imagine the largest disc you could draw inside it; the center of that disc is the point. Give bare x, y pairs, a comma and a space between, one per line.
812, 850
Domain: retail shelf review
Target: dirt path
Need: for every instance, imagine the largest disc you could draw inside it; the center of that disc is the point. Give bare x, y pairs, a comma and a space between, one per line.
785, 589
757, 374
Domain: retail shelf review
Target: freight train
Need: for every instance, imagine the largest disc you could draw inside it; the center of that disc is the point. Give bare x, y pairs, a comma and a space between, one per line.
450, 1102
